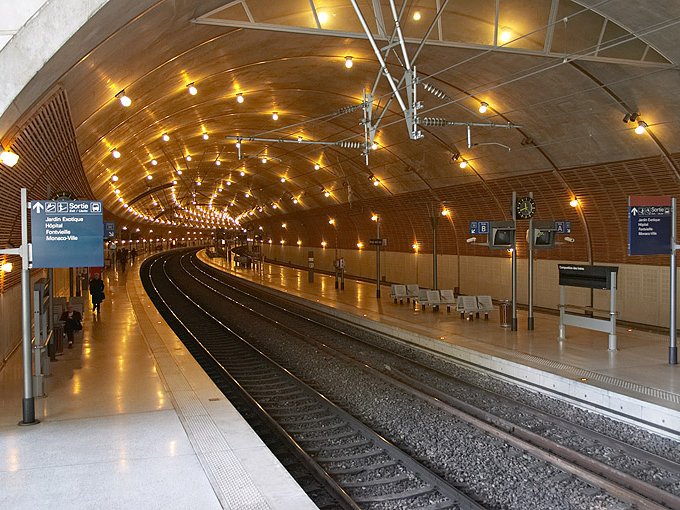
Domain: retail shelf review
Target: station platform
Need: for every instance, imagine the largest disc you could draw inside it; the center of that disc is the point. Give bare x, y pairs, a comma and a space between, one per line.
131, 421
634, 383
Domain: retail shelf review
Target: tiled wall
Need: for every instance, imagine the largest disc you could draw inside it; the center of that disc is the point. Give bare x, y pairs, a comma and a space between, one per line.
642, 295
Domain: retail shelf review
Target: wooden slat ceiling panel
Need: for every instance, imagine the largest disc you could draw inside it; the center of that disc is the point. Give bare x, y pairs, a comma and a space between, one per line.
48, 159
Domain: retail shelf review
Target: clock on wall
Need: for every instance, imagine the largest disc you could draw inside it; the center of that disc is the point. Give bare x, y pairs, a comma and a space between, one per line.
62, 195
525, 208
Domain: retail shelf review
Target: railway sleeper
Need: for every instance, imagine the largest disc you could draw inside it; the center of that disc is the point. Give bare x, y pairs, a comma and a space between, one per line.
376, 481
343, 458
410, 493
361, 469
338, 425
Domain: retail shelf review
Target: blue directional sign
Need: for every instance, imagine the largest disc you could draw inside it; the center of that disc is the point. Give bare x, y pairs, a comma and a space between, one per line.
649, 225
479, 227
67, 234
563, 227
109, 230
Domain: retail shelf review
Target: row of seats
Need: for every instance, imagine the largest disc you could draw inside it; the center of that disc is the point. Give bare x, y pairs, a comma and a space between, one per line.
467, 306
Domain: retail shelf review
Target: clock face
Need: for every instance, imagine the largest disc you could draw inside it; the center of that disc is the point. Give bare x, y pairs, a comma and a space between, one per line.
525, 207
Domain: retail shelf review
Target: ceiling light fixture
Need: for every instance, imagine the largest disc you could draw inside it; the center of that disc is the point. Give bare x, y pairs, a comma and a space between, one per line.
264, 160
463, 164
205, 136
218, 162
8, 158
376, 182
179, 172
149, 177
192, 89
114, 178
283, 179
483, 107
317, 166
124, 100
188, 157
239, 98
242, 173
505, 35
348, 62
275, 115
154, 162
165, 137
641, 127
417, 16
115, 153
574, 202
326, 194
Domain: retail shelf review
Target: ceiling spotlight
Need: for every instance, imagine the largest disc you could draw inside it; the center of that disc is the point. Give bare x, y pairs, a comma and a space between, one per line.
445, 212
417, 16
242, 173
326, 194
641, 127
264, 160
299, 139
299, 243
348, 62
149, 177
283, 179
124, 100
228, 183
114, 178
505, 35
205, 136
324, 244
115, 153
374, 147
116, 191
626, 118
192, 89
634, 116
463, 164
219, 189
360, 245
483, 107
573, 202
275, 115
283, 225
247, 195
317, 166
165, 137
8, 158
415, 246
218, 162
239, 98
455, 156
154, 162
179, 172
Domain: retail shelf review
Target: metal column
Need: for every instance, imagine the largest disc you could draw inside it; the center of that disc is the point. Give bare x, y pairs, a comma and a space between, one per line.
514, 265
377, 260
435, 220
28, 403
530, 318
673, 347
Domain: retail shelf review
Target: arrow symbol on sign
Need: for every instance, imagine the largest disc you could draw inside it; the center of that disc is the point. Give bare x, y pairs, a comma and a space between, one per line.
38, 207
634, 211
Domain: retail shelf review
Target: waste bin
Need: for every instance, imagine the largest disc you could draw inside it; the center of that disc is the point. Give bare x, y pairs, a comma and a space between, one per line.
505, 309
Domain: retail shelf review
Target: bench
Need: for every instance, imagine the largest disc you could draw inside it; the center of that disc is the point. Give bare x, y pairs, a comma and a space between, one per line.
485, 305
433, 299
421, 299
447, 297
412, 291
398, 292
467, 307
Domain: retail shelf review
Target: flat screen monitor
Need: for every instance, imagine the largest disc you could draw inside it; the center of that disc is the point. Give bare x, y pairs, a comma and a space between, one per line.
544, 238
503, 237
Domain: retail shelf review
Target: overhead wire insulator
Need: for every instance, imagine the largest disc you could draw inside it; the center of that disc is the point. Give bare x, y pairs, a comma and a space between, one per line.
350, 145
434, 121
436, 92
349, 109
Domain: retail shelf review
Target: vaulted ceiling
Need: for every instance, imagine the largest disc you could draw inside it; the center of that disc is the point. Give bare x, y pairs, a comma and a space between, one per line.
563, 73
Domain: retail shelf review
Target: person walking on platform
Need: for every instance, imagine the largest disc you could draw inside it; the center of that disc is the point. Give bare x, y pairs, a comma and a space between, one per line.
96, 292
123, 257
133, 254
72, 323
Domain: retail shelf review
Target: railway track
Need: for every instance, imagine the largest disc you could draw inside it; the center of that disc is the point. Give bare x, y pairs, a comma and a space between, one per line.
567, 447
363, 469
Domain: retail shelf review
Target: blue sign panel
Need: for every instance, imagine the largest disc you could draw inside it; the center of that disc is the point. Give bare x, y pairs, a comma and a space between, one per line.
67, 234
479, 227
563, 227
109, 230
649, 225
